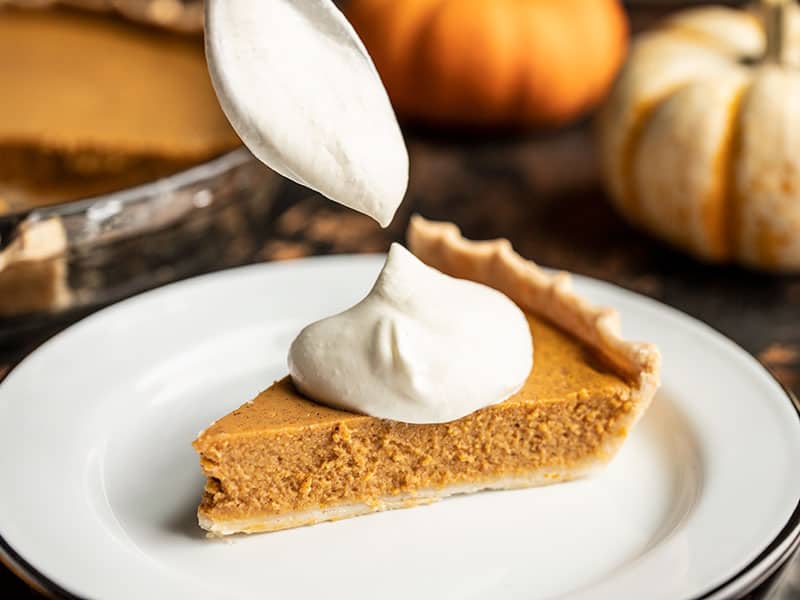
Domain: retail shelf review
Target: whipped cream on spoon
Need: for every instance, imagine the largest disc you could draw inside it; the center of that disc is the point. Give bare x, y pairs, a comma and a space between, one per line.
299, 88
422, 347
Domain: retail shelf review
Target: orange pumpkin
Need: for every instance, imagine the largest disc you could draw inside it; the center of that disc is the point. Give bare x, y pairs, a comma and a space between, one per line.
493, 62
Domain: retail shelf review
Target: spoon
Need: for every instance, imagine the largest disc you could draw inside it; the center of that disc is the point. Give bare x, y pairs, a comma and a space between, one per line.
301, 91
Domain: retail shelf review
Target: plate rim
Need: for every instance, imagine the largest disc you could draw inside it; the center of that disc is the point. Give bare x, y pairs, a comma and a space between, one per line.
746, 579
762, 566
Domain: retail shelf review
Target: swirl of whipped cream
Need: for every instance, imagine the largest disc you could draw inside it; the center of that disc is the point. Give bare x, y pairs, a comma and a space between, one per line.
422, 347
299, 88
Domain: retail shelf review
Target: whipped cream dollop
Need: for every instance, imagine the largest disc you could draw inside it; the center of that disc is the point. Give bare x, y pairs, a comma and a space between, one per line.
299, 88
422, 347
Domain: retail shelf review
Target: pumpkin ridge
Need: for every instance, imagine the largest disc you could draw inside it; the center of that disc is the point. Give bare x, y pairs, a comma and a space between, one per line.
468, 90
419, 98
618, 29
529, 66
418, 61
630, 199
730, 152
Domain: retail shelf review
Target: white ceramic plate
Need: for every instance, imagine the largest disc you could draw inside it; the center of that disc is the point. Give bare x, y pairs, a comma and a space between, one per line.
100, 483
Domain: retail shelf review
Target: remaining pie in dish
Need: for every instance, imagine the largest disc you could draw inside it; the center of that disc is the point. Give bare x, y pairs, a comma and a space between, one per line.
92, 104
283, 460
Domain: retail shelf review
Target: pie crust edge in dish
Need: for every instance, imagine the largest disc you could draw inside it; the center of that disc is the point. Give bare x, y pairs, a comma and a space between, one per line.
33, 269
494, 263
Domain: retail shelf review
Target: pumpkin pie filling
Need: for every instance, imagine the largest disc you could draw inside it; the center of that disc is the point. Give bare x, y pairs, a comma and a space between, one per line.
283, 460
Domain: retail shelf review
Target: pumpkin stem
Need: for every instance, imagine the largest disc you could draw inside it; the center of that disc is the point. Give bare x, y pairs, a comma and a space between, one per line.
775, 20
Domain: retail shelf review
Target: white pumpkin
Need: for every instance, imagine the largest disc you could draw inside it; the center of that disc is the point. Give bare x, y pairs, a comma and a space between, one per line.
699, 138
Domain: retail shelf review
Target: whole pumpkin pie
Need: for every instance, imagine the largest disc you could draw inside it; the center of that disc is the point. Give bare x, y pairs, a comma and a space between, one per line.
282, 460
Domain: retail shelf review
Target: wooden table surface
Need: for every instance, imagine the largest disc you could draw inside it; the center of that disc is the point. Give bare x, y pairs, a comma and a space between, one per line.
542, 193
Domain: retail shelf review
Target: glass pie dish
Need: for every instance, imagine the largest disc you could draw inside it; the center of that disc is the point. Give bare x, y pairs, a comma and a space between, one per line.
57, 262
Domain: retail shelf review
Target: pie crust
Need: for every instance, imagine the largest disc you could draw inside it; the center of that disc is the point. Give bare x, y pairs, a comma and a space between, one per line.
494, 263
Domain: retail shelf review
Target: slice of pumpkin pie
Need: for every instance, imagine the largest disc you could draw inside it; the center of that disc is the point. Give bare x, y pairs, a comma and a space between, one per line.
283, 460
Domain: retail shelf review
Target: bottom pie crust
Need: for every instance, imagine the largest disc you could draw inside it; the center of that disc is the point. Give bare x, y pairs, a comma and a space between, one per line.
539, 477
